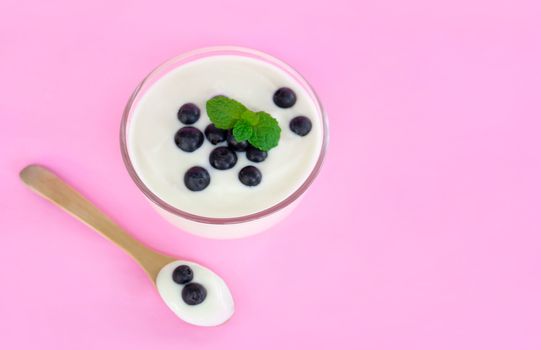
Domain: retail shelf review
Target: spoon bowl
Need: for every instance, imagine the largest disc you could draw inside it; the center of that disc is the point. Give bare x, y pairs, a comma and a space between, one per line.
218, 305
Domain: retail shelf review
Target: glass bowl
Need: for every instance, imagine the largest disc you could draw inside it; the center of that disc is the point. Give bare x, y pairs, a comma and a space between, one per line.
230, 227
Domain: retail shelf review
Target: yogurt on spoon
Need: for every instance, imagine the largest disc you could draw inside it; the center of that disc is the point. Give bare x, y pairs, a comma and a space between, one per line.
195, 294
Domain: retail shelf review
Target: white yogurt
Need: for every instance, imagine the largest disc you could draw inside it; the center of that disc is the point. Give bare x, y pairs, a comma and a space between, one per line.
217, 307
161, 165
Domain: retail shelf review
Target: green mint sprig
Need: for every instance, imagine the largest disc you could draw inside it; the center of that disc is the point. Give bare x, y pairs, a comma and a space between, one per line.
260, 129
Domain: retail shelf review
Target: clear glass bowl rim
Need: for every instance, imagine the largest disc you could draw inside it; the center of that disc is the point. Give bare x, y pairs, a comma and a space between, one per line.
206, 52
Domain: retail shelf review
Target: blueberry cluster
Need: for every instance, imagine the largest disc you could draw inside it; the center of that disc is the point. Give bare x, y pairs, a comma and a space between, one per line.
224, 157
192, 293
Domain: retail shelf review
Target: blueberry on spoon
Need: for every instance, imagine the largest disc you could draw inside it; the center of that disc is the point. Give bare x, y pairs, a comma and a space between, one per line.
194, 294
182, 274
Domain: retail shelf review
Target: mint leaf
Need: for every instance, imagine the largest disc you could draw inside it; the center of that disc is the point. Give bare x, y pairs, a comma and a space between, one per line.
259, 128
250, 117
224, 112
266, 132
242, 130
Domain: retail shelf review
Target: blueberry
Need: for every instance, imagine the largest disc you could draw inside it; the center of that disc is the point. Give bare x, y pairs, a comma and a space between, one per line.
194, 293
182, 274
234, 144
215, 135
222, 158
300, 125
284, 97
250, 176
188, 113
189, 138
255, 155
196, 178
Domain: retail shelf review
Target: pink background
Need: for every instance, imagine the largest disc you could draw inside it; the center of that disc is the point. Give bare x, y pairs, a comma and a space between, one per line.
423, 230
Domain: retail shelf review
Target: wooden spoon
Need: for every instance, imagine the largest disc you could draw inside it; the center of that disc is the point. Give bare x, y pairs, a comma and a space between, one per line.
211, 312
50, 186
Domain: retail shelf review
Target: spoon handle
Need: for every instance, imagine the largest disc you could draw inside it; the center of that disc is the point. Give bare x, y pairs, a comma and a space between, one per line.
50, 186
